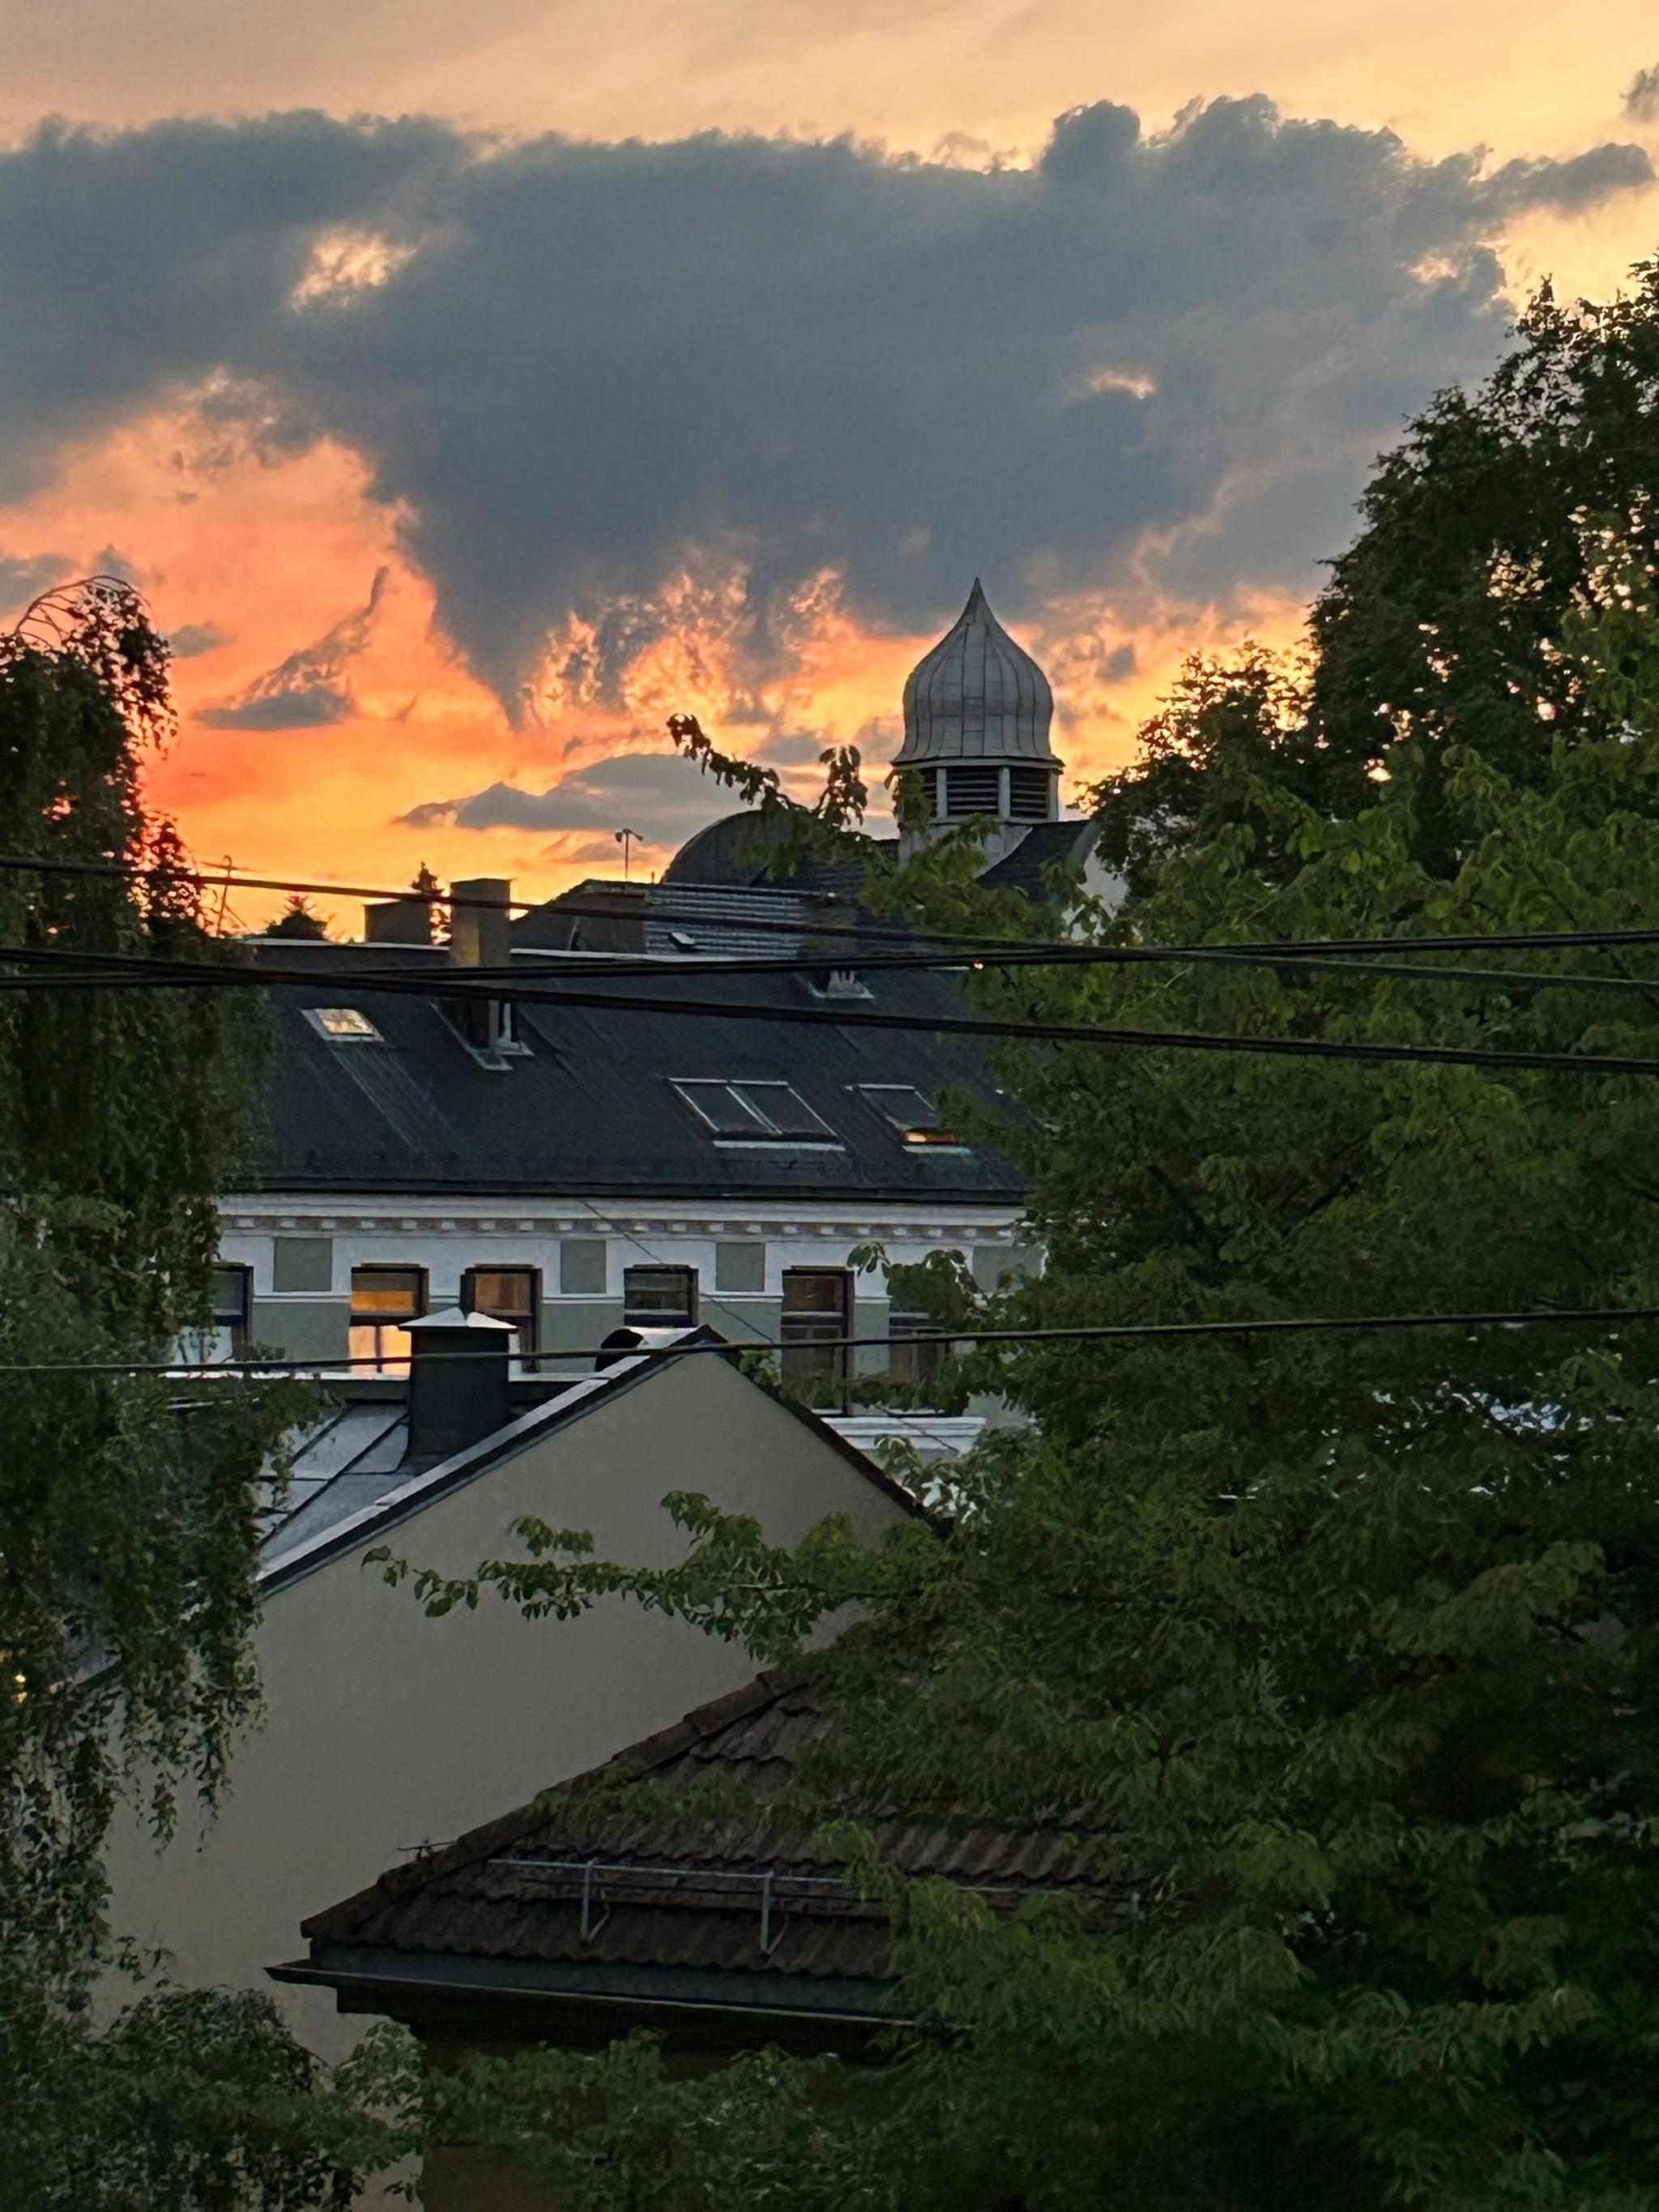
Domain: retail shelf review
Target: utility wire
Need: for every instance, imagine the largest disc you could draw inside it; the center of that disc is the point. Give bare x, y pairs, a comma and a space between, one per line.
1083, 1332
455, 987
905, 936
612, 968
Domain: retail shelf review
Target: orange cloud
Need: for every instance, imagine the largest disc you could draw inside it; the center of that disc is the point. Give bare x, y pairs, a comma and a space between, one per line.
257, 554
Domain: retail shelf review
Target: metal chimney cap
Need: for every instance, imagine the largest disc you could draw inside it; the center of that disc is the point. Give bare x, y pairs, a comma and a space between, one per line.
453, 1317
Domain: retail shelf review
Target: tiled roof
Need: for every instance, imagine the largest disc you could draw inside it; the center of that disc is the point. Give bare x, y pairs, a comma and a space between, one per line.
559, 1884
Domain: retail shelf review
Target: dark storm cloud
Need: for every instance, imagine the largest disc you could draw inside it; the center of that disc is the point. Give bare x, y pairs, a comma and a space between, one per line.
658, 794
583, 368
24, 576
192, 638
1642, 95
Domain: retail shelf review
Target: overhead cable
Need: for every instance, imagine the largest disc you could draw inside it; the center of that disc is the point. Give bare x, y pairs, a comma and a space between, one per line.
156, 975
903, 935
1082, 1333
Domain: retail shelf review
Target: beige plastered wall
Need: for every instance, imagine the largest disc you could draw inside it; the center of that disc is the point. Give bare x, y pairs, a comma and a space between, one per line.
384, 1731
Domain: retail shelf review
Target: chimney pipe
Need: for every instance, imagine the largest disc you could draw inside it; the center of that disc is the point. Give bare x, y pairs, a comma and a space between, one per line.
480, 926
458, 1382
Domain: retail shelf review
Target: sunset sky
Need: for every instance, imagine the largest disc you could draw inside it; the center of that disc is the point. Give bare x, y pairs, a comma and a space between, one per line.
468, 389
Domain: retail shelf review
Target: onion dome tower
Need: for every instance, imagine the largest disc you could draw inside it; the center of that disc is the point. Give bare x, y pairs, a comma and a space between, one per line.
976, 715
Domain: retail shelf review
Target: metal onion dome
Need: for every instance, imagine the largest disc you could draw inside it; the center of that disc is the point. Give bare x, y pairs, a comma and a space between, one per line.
976, 696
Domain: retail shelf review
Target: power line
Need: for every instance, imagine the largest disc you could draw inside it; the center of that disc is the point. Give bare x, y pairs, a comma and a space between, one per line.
905, 935
455, 986
1101, 1332
625, 966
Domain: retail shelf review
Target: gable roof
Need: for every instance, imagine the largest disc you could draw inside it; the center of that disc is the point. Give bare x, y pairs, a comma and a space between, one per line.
350, 1482
578, 1900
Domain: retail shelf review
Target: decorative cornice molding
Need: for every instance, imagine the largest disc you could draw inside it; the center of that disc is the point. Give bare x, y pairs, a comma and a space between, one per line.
912, 1227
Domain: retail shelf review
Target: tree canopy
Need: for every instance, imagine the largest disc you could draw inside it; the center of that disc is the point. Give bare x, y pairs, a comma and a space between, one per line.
1333, 1651
1443, 623
128, 1506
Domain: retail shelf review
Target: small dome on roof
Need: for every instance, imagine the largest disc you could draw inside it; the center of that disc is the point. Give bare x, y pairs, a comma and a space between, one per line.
733, 850
976, 696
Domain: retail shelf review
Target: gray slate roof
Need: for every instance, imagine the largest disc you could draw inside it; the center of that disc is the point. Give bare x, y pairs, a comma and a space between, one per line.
590, 1107
977, 695
1044, 844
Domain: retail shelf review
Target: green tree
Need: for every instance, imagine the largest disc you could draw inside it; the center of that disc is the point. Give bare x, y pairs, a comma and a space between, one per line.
1442, 624
298, 918
1333, 1654
128, 1528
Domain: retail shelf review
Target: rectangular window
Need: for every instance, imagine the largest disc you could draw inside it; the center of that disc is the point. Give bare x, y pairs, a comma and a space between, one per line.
343, 1026
226, 1335
905, 1108
230, 1307
818, 1310
759, 1111
908, 1361
508, 1294
382, 1300
660, 1297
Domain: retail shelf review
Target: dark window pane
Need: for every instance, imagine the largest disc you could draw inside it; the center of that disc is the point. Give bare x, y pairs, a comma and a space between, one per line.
230, 1298
506, 1294
816, 1290
816, 1310
657, 1297
783, 1108
905, 1108
908, 1361
723, 1109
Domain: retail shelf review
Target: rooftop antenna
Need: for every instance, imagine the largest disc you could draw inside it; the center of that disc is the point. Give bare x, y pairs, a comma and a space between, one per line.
627, 839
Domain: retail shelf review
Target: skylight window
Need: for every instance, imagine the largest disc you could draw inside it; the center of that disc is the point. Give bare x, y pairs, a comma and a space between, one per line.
910, 1111
343, 1026
760, 1113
